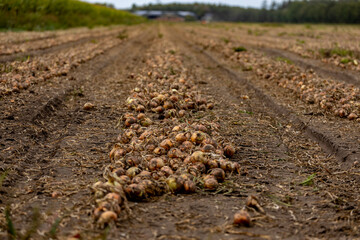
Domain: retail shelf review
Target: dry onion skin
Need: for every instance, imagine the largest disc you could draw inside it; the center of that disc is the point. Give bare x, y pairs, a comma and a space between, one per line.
157, 151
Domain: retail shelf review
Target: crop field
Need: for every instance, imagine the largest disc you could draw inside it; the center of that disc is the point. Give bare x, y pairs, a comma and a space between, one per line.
181, 131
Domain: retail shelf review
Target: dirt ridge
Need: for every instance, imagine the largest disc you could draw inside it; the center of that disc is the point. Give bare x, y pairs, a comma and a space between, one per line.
328, 144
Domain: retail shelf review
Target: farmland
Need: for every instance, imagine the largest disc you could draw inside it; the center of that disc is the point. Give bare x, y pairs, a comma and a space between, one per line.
170, 130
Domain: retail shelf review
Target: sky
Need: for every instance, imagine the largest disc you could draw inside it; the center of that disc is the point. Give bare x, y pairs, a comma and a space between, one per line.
121, 4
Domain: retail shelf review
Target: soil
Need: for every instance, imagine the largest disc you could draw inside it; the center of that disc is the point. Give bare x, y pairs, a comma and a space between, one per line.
301, 164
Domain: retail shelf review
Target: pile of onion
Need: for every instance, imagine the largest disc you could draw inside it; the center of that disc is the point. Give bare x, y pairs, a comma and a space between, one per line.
162, 148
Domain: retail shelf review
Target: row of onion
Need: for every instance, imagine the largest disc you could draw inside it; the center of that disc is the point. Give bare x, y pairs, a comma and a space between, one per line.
163, 148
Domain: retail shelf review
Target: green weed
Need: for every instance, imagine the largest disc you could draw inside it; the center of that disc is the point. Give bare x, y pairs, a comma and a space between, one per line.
285, 60
225, 40
345, 60
240, 49
341, 52
245, 111
59, 14
309, 181
122, 35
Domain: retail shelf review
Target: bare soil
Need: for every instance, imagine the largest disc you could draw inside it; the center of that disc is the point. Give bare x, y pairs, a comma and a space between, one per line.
302, 164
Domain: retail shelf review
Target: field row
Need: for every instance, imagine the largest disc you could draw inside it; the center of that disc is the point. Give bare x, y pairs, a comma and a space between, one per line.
329, 95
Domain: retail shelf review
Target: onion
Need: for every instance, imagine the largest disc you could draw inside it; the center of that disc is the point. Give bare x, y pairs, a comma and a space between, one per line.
158, 109
134, 191
352, 116
88, 106
156, 163
125, 179
201, 128
190, 105
197, 137
176, 129
141, 116
146, 122
129, 121
224, 165
132, 172
229, 151
119, 172
145, 174
168, 105
133, 161
135, 126
136, 179
234, 167
173, 184
210, 106
113, 197
208, 148
159, 151
106, 217
242, 218
166, 144
145, 134
167, 171
210, 183
148, 186
150, 148
189, 186
154, 104
170, 113
200, 167
198, 156
99, 194
182, 113
119, 153
186, 146
212, 164
175, 153
140, 108
180, 137
218, 173
174, 98
98, 211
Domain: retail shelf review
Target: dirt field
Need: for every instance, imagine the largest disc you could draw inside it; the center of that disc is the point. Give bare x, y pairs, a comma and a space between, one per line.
292, 114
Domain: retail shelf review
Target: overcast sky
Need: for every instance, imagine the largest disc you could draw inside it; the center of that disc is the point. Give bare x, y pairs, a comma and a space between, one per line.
127, 4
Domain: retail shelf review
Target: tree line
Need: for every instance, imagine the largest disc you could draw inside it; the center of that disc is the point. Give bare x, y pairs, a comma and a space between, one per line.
296, 11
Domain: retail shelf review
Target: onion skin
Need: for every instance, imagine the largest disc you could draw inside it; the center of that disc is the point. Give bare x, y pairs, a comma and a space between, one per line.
88, 106
253, 202
242, 218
